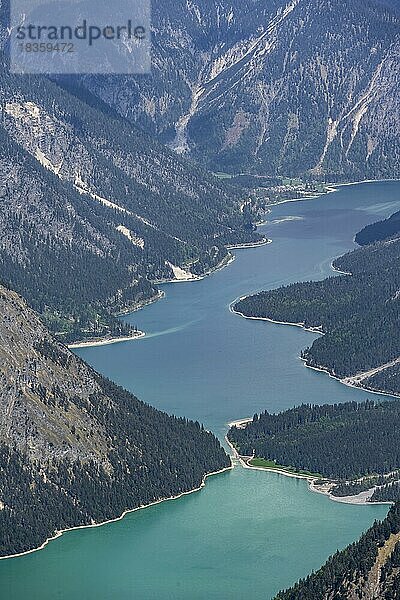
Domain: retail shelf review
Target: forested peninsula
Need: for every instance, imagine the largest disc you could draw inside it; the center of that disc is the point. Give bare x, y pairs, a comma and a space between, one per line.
358, 312
346, 448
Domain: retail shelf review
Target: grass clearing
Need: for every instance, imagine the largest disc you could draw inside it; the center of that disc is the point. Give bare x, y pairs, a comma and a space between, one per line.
270, 464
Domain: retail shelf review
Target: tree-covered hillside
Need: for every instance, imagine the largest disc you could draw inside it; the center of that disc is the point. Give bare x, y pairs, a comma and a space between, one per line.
341, 441
379, 231
94, 212
74, 447
368, 569
359, 315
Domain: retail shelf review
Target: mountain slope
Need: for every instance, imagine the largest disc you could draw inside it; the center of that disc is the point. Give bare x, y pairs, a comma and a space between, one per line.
74, 447
388, 228
358, 313
284, 87
369, 569
94, 212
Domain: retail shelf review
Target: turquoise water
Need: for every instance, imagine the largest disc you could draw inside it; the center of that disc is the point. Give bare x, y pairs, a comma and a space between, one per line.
247, 533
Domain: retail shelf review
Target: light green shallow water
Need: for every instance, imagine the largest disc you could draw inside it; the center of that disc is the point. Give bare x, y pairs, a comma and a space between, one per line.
243, 536
247, 533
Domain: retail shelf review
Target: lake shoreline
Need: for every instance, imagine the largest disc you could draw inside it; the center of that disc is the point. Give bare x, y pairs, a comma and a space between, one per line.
316, 330
225, 262
58, 534
330, 188
263, 242
243, 459
312, 487
139, 305
356, 500
106, 341
347, 381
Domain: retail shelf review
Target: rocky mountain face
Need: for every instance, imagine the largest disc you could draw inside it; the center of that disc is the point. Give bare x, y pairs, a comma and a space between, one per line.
94, 212
280, 87
75, 448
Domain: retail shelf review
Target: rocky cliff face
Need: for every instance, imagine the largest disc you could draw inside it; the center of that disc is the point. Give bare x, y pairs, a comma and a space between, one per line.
75, 448
284, 87
94, 211
38, 417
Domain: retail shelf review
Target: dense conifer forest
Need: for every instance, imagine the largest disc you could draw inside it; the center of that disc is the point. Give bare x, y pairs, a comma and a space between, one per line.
371, 563
94, 212
76, 448
150, 456
379, 231
340, 441
387, 493
358, 314
376, 483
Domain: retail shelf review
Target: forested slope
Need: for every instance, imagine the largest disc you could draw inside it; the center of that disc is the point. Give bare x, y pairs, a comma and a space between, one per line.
341, 441
359, 315
368, 569
94, 212
379, 231
74, 447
